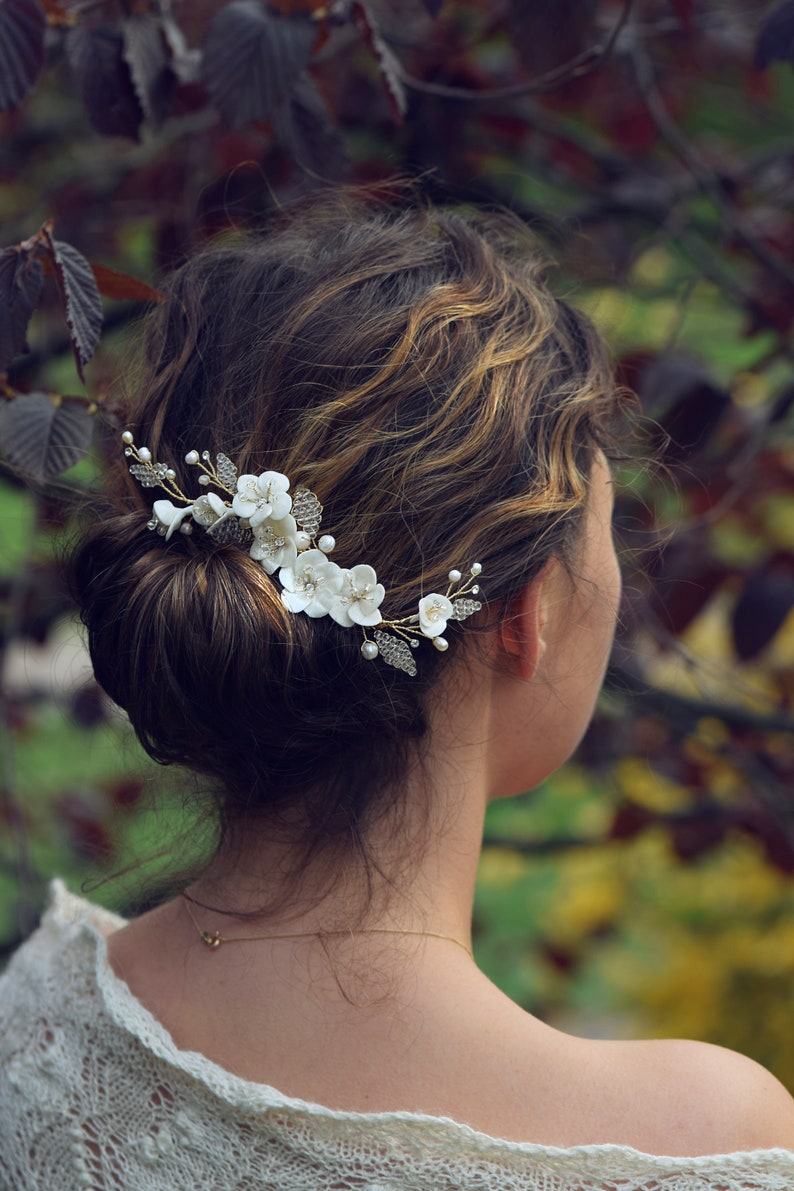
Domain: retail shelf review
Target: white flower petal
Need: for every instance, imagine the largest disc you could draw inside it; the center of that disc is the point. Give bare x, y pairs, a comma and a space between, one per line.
434, 612
364, 612
295, 601
362, 576
273, 487
170, 515
209, 510
274, 544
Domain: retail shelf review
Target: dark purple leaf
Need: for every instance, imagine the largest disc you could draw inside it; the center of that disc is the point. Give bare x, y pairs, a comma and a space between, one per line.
685, 577
433, 6
771, 833
146, 54
776, 36
387, 62
685, 11
96, 56
80, 294
21, 279
89, 706
112, 284
765, 602
629, 821
44, 600
22, 28
548, 33
698, 833
253, 59
302, 125
42, 437
678, 393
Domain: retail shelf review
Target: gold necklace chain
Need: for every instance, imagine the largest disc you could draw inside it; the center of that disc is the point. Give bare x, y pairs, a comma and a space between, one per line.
213, 939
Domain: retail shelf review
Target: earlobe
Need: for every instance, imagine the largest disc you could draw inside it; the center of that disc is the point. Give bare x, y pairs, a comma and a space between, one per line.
522, 630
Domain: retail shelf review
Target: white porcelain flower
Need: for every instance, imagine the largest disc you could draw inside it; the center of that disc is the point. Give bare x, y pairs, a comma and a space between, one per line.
434, 612
209, 510
310, 584
261, 497
358, 598
170, 516
275, 543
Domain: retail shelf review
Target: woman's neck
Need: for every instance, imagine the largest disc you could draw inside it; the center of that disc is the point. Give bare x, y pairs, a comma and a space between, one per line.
421, 876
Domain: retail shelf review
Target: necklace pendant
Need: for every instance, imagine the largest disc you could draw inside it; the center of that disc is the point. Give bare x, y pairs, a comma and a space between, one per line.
212, 940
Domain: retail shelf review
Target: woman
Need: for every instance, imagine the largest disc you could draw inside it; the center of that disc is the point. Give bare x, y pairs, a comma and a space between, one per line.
353, 683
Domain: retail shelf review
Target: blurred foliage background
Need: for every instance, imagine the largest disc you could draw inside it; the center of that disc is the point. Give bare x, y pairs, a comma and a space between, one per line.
647, 888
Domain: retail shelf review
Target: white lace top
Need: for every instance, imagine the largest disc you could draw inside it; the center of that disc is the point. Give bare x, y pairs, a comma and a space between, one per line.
95, 1095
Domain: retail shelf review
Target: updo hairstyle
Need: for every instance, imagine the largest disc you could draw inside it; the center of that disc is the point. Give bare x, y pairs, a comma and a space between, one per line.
410, 368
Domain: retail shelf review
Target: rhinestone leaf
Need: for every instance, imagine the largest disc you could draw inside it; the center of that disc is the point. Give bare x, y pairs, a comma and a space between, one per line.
463, 608
230, 532
307, 510
227, 472
149, 475
395, 652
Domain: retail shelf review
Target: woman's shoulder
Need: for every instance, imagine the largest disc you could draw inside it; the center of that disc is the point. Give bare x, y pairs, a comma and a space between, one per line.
52, 976
697, 1098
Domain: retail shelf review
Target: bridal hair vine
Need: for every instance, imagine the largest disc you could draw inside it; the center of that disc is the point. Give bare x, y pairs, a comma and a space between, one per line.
280, 530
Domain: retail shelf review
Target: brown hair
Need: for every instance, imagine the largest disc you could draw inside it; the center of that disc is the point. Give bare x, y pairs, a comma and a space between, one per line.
410, 367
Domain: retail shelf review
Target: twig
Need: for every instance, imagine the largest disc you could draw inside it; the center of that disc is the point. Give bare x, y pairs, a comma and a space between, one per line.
682, 712
550, 124
705, 177
582, 64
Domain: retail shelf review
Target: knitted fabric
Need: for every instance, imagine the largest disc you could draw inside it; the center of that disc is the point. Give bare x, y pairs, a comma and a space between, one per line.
95, 1096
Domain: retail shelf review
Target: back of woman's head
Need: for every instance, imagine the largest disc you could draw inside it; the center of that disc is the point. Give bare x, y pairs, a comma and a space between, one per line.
411, 369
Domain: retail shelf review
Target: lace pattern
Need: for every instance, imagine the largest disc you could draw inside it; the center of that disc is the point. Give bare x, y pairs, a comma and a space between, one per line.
95, 1095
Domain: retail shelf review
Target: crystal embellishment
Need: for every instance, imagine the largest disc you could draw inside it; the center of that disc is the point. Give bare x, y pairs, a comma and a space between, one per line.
230, 532
148, 475
461, 609
307, 510
395, 652
226, 471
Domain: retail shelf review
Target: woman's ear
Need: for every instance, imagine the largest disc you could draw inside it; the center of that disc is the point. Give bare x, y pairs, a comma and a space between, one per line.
522, 633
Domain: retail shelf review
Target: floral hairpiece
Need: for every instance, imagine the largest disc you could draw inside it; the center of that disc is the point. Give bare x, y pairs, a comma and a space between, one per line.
280, 530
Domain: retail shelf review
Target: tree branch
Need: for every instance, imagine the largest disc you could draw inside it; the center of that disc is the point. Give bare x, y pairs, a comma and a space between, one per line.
681, 712
705, 177
582, 64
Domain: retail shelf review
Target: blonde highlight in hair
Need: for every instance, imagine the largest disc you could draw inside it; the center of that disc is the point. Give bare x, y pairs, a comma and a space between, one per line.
412, 369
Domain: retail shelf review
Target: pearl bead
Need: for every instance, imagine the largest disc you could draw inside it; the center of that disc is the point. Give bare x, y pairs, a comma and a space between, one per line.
192, 457
454, 576
127, 436
171, 474
326, 543
204, 479
186, 527
369, 650
476, 568
441, 644
144, 454
302, 540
